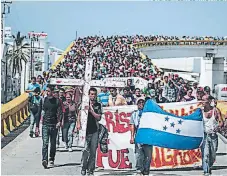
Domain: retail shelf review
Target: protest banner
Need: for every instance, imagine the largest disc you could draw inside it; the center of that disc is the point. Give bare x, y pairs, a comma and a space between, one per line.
136, 81
121, 152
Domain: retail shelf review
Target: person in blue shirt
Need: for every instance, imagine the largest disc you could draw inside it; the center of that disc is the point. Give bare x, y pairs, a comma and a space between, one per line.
32, 86
143, 152
103, 96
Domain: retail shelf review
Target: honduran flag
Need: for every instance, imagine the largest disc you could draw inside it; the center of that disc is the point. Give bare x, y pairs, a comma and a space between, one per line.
163, 129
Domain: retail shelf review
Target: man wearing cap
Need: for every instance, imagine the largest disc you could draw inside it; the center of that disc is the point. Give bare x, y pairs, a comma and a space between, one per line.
56, 92
62, 94
143, 152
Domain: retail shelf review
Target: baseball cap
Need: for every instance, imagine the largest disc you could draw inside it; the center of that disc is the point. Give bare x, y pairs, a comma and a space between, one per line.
140, 99
207, 89
152, 92
56, 89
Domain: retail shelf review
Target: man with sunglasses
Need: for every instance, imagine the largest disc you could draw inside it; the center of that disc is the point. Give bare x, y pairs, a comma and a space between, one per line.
143, 153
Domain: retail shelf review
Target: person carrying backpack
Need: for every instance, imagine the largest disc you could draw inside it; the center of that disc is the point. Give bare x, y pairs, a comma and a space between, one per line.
35, 111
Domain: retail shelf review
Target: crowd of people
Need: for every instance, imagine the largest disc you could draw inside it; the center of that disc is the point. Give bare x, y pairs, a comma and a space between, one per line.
113, 56
116, 56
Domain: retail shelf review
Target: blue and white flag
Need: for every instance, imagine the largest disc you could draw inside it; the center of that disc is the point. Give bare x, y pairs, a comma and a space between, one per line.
163, 129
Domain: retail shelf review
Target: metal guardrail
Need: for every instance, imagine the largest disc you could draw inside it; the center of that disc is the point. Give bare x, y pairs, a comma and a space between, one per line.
16, 111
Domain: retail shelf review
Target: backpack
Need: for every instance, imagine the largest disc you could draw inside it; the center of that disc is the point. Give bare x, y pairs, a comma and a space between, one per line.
33, 106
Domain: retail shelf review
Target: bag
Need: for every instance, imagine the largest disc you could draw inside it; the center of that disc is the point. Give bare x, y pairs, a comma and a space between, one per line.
33, 106
103, 138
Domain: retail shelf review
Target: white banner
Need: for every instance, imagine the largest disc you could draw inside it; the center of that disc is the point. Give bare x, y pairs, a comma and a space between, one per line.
136, 81
80, 82
121, 152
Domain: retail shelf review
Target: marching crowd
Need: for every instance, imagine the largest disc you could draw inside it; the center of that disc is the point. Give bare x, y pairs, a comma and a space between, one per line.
114, 57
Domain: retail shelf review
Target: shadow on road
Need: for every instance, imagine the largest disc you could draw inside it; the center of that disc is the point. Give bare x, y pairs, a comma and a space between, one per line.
64, 150
159, 172
221, 154
67, 164
219, 167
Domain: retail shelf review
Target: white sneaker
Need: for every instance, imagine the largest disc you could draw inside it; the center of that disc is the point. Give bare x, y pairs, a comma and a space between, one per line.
70, 149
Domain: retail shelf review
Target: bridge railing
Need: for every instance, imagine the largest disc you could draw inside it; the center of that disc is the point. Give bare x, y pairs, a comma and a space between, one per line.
14, 113
181, 42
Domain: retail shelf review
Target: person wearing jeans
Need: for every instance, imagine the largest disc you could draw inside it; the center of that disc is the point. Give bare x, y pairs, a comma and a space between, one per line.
69, 121
212, 119
143, 153
51, 121
91, 144
35, 112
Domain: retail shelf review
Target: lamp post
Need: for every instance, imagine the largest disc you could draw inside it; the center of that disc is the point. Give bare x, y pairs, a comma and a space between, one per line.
33, 39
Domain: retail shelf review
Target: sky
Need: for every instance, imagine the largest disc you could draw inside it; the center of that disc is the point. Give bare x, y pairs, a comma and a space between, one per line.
61, 19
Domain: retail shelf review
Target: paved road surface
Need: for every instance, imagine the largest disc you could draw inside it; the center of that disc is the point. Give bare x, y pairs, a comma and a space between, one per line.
23, 157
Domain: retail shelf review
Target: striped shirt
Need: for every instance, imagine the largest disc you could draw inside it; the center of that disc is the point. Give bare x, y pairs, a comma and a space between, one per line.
103, 98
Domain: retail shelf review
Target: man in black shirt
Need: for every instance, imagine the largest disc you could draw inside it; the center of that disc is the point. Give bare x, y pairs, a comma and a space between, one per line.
62, 94
51, 121
94, 115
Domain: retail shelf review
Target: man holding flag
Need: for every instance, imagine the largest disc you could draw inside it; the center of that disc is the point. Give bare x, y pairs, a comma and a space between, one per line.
143, 152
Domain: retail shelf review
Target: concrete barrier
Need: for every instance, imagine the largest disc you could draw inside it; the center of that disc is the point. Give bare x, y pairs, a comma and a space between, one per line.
14, 113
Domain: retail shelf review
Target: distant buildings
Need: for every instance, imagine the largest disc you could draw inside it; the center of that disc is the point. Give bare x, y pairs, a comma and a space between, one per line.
41, 57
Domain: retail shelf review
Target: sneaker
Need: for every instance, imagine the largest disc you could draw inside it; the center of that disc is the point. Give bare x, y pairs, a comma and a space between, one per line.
70, 149
44, 163
51, 164
138, 174
65, 146
90, 173
83, 172
145, 173
31, 134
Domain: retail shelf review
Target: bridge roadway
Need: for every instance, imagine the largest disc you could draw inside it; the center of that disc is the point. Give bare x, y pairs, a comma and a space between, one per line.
23, 157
